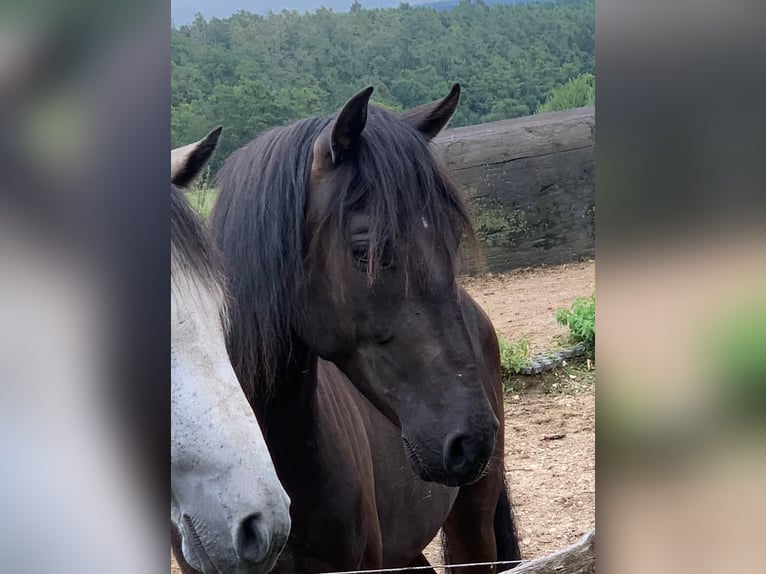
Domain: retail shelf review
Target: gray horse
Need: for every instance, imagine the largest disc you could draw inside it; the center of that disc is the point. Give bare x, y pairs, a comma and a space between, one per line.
228, 510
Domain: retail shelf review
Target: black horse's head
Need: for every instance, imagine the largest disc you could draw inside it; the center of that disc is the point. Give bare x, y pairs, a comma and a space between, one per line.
384, 224
374, 289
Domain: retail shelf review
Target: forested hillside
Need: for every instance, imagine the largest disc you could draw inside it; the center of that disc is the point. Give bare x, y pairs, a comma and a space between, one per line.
250, 72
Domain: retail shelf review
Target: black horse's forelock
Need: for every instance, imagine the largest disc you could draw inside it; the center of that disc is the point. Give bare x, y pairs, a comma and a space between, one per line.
394, 179
258, 224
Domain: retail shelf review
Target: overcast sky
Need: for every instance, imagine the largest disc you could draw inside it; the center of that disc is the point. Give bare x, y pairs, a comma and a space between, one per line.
183, 11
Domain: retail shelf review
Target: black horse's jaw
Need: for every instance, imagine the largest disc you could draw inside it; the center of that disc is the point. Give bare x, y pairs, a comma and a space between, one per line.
424, 471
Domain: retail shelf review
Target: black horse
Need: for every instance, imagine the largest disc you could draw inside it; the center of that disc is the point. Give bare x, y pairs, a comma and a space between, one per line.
375, 376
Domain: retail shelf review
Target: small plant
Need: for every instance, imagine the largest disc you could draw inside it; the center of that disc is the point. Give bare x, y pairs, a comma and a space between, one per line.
513, 357
202, 200
204, 179
734, 341
581, 321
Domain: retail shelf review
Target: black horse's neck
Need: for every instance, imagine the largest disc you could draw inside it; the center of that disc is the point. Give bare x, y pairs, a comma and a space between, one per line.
289, 417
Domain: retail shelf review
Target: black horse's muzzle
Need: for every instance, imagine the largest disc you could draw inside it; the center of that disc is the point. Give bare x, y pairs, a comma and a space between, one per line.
460, 460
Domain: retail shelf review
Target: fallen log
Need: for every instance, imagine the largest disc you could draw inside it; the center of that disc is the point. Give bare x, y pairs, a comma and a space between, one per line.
579, 558
531, 185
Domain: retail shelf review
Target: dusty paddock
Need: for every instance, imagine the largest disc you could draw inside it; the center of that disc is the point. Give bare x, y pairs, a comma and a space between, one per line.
549, 460
523, 302
550, 426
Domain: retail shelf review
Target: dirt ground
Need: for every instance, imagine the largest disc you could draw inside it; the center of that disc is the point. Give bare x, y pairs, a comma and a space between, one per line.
524, 301
550, 461
550, 426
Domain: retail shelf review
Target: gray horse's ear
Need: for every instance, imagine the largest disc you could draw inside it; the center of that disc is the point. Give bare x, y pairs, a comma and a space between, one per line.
187, 162
349, 124
430, 119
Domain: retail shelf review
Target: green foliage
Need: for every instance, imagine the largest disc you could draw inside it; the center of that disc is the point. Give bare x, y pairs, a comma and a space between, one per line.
736, 351
250, 72
581, 321
513, 357
201, 199
576, 93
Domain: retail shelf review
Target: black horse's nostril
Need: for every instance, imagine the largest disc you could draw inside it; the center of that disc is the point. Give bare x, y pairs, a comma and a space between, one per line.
460, 454
466, 455
252, 542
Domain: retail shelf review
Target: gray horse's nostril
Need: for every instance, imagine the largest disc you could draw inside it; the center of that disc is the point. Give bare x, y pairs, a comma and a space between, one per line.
252, 542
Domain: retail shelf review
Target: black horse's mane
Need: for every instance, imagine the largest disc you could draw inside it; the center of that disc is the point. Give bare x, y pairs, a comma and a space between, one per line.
258, 224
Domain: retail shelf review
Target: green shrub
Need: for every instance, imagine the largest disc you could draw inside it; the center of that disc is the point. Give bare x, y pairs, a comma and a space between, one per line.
581, 321
513, 357
578, 92
735, 353
201, 199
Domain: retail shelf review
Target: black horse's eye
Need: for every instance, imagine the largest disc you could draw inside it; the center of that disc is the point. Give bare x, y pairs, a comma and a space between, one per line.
361, 251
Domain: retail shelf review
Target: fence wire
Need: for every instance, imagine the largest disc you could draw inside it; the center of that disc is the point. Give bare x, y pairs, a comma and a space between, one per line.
433, 566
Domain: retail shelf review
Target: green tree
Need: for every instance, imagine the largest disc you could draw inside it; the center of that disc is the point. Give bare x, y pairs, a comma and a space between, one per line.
576, 93
250, 72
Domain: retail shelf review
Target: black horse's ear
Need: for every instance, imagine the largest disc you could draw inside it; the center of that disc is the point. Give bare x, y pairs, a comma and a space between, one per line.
349, 125
187, 162
430, 119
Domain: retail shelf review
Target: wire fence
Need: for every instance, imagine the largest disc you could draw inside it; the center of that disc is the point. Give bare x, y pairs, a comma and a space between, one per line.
431, 567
